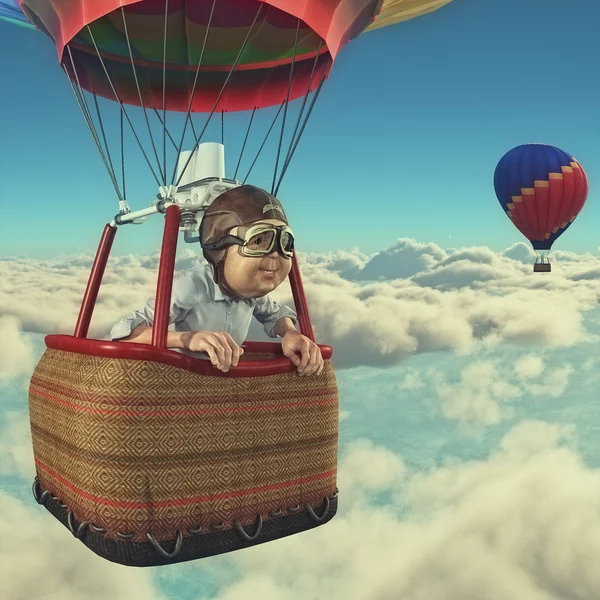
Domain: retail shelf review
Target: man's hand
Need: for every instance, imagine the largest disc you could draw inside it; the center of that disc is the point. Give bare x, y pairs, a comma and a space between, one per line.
311, 360
220, 347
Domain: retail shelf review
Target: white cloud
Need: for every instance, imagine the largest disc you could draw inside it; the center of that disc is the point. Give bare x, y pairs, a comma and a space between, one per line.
485, 389
478, 398
521, 252
437, 301
554, 385
16, 351
16, 449
405, 258
348, 263
529, 366
41, 559
369, 470
412, 380
524, 524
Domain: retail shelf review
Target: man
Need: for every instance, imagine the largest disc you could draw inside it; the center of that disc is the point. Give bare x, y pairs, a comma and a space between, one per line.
248, 244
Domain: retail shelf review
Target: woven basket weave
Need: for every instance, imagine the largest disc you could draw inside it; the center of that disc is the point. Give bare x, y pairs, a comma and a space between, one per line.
140, 458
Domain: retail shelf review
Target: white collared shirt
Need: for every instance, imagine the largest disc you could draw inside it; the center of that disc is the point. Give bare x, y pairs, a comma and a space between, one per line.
197, 304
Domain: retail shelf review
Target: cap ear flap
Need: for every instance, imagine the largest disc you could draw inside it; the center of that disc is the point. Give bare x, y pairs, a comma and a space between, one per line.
214, 257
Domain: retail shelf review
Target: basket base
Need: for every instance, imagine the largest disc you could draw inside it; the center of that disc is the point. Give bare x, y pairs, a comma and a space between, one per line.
542, 268
203, 545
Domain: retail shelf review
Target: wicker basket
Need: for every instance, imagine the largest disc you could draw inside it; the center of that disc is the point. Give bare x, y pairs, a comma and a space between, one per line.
150, 463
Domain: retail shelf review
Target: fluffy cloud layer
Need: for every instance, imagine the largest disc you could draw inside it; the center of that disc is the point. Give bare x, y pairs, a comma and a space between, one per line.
523, 523
377, 311
16, 351
486, 389
41, 559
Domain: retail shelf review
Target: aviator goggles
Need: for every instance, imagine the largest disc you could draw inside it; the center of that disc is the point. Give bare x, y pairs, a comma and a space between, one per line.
259, 240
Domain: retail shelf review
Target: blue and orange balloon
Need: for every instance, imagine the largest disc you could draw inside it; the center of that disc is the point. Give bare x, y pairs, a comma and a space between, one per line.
542, 189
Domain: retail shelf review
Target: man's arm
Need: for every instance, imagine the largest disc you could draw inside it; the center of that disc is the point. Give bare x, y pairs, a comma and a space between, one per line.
284, 325
137, 327
277, 319
142, 334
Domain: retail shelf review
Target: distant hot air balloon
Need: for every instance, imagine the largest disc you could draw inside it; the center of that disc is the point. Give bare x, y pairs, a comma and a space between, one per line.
541, 189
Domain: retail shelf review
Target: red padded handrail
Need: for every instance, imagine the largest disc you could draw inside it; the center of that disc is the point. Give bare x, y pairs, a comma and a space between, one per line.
133, 351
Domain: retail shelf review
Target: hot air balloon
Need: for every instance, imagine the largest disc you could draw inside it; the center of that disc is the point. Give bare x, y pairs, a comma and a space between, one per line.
542, 189
147, 455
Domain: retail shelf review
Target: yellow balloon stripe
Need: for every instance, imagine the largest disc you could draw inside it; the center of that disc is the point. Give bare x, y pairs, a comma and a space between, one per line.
396, 11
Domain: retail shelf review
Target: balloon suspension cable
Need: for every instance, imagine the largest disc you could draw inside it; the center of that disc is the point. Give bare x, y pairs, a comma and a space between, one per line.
263, 144
78, 92
223, 127
306, 94
191, 101
137, 85
295, 144
100, 135
165, 128
123, 108
287, 99
112, 168
164, 95
237, 59
244, 144
123, 158
542, 257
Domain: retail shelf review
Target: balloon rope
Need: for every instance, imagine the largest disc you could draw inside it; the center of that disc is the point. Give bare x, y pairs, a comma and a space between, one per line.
137, 84
287, 100
287, 164
161, 122
189, 110
78, 92
212, 112
244, 144
263, 144
122, 106
287, 157
223, 127
123, 157
112, 168
164, 95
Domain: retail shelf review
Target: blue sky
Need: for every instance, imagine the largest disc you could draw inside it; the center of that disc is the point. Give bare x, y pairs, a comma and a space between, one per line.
403, 141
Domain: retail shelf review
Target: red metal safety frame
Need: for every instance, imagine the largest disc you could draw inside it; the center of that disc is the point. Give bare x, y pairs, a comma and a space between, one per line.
300, 300
94, 281
165, 284
165, 277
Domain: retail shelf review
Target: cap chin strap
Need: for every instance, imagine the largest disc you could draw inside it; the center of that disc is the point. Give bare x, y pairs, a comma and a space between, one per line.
219, 277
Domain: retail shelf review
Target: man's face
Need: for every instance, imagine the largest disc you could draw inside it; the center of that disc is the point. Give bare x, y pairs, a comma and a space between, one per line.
252, 277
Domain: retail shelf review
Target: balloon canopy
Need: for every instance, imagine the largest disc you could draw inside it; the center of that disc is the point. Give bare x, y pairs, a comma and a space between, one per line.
542, 189
174, 36
200, 56
108, 35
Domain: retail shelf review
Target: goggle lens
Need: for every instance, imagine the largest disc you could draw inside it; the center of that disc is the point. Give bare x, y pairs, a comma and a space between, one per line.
287, 242
261, 242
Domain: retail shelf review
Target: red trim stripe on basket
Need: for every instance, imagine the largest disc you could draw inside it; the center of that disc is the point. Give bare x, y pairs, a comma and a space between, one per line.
182, 501
172, 413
